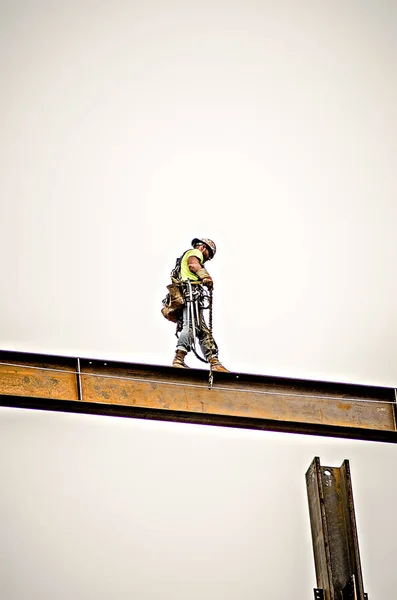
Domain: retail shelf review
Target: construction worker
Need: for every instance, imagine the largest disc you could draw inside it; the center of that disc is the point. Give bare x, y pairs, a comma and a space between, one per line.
192, 323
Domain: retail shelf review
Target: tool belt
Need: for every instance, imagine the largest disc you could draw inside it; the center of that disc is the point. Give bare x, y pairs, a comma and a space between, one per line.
173, 303
178, 295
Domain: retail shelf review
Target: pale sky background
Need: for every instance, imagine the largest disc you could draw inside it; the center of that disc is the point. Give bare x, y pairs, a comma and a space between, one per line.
127, 128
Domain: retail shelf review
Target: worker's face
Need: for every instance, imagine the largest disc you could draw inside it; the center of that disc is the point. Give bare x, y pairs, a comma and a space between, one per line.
203, 248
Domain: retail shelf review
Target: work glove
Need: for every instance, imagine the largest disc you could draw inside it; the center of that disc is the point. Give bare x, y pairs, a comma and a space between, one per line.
205, 278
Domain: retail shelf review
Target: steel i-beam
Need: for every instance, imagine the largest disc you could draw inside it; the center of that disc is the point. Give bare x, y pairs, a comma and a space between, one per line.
334, 533
83, 385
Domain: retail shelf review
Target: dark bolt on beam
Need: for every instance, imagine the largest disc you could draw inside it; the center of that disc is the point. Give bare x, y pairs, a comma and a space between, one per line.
334, 533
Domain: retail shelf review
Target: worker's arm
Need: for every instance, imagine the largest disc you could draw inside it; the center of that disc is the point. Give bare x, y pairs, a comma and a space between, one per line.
194, 264
195, 267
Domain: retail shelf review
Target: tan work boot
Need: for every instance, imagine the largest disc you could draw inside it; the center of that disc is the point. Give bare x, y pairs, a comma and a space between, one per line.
179, 360
217, 366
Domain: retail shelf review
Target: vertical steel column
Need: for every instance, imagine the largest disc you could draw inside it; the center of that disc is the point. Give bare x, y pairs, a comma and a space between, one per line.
334, 533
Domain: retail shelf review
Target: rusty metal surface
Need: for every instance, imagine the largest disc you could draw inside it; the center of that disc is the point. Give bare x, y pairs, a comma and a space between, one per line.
248, 398
334, 532
49, 378
237, 398
136, 412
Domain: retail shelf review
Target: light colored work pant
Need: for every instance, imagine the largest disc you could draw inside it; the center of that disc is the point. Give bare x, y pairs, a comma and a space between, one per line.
185, 340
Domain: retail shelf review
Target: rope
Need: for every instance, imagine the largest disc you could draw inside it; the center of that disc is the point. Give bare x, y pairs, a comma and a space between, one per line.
196, 386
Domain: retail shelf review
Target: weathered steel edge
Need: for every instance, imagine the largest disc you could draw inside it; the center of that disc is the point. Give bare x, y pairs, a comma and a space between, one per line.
156, 414
376, 392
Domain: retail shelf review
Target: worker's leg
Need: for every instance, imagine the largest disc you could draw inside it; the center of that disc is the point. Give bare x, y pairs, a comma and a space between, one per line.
211, 354
185, 340
204, 338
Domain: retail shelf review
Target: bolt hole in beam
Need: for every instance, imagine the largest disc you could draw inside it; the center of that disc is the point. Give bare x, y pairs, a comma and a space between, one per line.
327, 473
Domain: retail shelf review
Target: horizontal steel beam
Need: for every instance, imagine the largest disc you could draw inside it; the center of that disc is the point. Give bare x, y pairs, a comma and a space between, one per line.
163, 393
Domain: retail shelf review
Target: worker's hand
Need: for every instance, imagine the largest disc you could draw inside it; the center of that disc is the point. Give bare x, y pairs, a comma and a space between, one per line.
205, 278
207, 281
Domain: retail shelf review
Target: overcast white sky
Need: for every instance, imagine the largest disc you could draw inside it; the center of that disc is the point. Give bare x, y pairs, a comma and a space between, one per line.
127, 128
